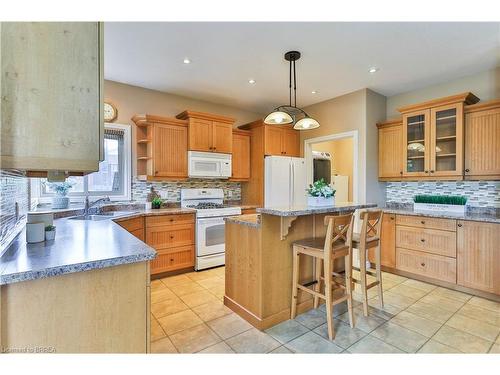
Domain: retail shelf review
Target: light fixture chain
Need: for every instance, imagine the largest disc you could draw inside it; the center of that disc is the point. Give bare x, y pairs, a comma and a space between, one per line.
294, 85
290, 83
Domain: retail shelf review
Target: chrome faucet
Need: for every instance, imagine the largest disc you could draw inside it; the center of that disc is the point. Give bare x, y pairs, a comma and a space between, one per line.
89, 205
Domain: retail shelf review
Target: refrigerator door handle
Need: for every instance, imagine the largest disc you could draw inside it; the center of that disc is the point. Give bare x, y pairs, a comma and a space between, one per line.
290, 184
293, 184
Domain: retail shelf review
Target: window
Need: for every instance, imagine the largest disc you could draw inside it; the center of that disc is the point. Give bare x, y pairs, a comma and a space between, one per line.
113, 178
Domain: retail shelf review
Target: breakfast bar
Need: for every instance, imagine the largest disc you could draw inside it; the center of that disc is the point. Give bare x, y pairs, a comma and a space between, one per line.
259, 259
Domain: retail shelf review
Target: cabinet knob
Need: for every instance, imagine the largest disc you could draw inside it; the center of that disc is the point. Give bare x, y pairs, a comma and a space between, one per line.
459, 225
171, 237
171, 259
401, 172
426, 171
432, 171
422, 222
156, 172
422, 240
422, 264
467, 170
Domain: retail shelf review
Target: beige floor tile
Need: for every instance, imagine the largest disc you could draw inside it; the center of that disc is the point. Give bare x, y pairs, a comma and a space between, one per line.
220, 348
253, 341
156, 330
161, 295
211, 282
218, 291
167, 307
366, 324
388, 284
479, 313
198, 298
435, 347
393, 277
194, 339
394, 299
371, 344
157, 284
229, 325
485, 304
495, 349
475, 327
452, 294
172, 281
179, 321
163, 345
387, 312
400, 337
419, 285
430, 311
219, 271
444, 303
187, 288
423, 326
408, 291
212, 310
200, 275
463, 341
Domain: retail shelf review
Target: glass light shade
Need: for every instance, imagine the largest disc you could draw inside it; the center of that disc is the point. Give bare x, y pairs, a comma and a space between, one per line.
306, 123
278, 118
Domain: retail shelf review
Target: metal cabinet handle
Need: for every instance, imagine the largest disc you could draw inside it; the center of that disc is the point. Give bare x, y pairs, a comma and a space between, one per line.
467, 170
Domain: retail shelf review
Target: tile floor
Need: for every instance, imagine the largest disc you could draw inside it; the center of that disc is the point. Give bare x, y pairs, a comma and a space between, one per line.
188, 316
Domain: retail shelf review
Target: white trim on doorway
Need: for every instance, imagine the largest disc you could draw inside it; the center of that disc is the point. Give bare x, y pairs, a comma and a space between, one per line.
332, 137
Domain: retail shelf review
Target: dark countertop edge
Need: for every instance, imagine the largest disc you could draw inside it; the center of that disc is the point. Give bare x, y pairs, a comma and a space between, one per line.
304, 211
485, 218
75, 268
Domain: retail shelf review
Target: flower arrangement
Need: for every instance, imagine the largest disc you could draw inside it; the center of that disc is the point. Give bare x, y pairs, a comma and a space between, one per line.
442, 203
60, 188
50, 233
320, 189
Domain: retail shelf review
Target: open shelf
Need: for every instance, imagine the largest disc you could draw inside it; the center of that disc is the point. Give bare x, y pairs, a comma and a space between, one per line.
446, 118
143, 158
416, 123
416, 141
415, 157
141, 141
446, 138
445, 155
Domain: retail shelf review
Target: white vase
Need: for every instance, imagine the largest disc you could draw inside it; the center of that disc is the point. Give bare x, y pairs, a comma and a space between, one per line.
449, 208
60, 202
320, 201
35, 232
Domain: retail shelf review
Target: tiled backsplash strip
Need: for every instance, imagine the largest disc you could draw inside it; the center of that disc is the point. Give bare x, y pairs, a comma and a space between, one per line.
479, 193
13, 188
171, 190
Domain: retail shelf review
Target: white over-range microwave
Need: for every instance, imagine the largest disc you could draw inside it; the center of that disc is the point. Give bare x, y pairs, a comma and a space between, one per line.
209, 165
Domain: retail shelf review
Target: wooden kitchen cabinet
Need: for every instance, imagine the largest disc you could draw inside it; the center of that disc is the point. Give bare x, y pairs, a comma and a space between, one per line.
241, 155
387, 242
208, 132
390, 150
482, 141
478, 256
135, 226
281, 140
161, 147
52, 97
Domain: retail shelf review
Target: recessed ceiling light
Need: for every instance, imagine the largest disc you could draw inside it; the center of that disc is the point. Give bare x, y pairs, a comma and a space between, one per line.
373, 69
251, 81
314, 92
187, 61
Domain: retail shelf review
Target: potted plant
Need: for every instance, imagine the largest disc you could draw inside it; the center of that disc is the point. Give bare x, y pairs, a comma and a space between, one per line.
50, 233
61, 189
320, 193
441, 203
156, 203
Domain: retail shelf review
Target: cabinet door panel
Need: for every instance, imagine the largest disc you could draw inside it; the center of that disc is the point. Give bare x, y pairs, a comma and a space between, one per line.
387, 242
482, 143
390, 152
429, 265
433, 241
171, 260
164, 237
241, 156
291, 142
478, 256
273, 138
200, 135
416, 142
169, 151
222, 134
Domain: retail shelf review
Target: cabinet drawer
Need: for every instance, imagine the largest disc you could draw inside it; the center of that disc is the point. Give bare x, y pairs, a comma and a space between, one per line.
132, 224
168, 236
433, 241
173, 259
427, 222
152, 221
429, 265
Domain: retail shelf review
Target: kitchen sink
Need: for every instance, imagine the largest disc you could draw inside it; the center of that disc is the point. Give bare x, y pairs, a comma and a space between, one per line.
103, 215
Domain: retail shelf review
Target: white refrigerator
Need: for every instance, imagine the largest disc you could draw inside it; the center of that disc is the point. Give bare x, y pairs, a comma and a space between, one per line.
285, 181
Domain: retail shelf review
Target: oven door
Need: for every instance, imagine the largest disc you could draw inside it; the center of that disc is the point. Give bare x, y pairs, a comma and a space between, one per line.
210, 236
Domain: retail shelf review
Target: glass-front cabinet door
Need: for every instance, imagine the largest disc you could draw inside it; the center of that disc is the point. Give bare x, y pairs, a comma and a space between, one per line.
447, 140
416, 143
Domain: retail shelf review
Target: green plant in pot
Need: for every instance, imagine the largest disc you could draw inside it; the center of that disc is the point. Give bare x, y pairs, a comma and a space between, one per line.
156, 203
50, 232
443, 203
61, 190
320, 193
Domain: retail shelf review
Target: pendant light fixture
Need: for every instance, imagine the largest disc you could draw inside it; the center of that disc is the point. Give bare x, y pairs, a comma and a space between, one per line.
288, 114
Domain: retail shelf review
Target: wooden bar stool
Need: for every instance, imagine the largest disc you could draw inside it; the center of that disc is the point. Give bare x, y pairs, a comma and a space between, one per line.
369, 238
336, 244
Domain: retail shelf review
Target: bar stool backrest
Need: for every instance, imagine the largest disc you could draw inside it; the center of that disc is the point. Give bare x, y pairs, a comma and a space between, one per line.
339, 231
371, 224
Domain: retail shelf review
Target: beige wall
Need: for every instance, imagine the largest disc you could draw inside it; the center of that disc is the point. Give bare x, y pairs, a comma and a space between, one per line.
342, 157
485, 85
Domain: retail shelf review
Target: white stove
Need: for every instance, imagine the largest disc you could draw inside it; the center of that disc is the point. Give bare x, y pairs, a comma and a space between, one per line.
210, 234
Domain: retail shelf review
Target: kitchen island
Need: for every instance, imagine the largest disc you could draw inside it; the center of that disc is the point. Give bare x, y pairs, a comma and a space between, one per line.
259, 259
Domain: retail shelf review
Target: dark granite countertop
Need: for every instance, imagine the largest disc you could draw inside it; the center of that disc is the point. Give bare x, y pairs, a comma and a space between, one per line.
307, 210
475, 215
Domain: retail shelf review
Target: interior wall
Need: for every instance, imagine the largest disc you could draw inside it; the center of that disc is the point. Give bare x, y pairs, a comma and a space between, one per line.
342, 159
485, 85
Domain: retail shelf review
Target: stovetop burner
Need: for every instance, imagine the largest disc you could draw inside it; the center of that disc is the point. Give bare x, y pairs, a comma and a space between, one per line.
206, 205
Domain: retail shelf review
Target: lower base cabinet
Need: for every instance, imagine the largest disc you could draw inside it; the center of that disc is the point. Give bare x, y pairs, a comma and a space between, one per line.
428, 265
388, 242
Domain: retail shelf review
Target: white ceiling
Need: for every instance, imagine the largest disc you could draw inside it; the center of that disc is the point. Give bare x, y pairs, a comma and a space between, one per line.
335, 58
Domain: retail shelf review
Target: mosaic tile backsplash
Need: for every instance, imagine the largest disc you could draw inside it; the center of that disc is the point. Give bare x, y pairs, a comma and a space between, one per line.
479, 193
171, 190
13, 188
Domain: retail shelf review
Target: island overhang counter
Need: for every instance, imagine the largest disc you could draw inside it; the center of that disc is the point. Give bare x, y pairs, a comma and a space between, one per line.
259, 259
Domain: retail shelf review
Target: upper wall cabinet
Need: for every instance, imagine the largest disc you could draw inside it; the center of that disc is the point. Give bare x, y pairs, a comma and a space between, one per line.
52, 102
281, 140
390, 150
162, 145
208, 132
482, 141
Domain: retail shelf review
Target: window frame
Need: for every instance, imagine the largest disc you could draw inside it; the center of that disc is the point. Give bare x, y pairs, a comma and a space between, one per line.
40, 197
